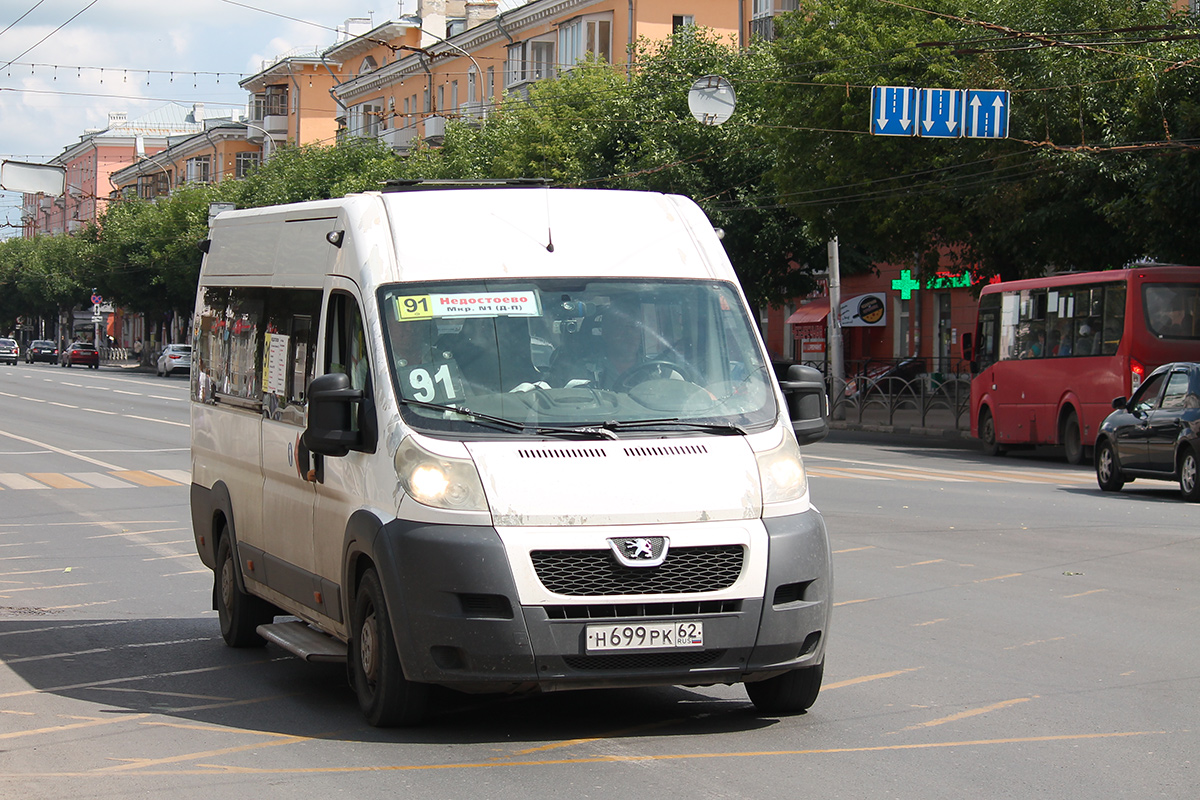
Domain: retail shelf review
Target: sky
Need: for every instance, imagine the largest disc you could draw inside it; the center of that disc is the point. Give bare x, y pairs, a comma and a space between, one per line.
65, 64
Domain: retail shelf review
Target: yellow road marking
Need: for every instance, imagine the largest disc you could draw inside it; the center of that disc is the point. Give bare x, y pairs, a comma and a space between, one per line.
1081, 594
211, 769
852, 602
854, 549
57, 480
920, 563
974, 712
143, 478
999, 577
866, 678
90, 723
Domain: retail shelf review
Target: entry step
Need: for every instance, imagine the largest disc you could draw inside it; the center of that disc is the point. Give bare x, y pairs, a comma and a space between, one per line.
303, 640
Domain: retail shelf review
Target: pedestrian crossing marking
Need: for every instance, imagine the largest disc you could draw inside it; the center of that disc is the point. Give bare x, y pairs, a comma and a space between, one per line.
119, 479
57, 480
144, 478
100, 480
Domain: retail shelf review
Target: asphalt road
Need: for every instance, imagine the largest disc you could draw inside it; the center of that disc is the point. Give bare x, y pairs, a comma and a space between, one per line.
1002, 629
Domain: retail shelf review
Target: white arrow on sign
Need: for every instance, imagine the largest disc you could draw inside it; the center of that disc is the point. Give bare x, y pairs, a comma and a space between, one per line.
883, 108
951, 118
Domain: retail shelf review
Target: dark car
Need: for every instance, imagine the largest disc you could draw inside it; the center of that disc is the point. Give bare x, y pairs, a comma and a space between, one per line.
41, 350
84, 353
9, 350
1154, 434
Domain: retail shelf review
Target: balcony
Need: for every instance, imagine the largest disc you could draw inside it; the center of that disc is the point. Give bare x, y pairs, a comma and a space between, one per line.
399, 139
434, 128
276, 123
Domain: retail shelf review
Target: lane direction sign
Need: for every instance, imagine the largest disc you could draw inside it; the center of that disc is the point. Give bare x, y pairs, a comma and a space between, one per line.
940, 113
893, 111
986, 114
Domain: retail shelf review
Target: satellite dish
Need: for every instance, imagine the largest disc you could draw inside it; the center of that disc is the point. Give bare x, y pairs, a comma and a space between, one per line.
711, 100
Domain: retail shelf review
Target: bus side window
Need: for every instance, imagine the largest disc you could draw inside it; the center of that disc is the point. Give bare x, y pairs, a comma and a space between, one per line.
346, 352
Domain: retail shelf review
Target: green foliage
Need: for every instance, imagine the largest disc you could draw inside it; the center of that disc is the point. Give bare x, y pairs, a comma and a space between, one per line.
1059, 192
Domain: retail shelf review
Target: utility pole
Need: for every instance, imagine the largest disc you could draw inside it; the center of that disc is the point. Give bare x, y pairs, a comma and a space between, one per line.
837, 376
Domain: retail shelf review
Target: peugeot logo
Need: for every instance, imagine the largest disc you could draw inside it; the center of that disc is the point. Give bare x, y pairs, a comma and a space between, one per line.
640, 551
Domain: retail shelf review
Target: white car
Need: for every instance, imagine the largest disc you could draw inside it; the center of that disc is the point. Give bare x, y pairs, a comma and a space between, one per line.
9, 351
174, 357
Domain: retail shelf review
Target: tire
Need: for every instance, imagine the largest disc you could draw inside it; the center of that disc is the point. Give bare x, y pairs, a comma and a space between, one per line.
790, 693
987, 433
385, 696
1108, 470
1072, 439
240, 614
1189, 475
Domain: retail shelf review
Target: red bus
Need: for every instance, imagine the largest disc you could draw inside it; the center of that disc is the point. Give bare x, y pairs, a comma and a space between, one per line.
1049, 354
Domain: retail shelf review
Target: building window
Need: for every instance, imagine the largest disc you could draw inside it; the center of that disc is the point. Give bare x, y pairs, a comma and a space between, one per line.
584, 37
245, 162
154, 185
367, 65
682, 21
454, 95
514, 66
257, 107
199, 169
762, 22
365, 119
530, 61
276, 101
472, 83
489, 86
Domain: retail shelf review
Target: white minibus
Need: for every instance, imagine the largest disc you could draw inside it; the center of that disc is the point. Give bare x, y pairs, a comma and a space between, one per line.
502, 438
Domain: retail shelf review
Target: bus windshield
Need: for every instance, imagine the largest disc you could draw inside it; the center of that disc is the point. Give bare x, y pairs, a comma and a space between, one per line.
1172, 309
501, 357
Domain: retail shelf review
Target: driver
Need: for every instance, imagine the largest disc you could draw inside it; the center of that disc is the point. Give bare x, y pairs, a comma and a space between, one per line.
621, 350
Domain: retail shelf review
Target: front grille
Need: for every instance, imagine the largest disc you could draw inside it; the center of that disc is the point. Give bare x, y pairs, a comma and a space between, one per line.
686, 570
626, 661
645, 610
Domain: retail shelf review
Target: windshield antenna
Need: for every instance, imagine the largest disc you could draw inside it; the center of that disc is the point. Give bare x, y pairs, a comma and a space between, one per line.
549, 230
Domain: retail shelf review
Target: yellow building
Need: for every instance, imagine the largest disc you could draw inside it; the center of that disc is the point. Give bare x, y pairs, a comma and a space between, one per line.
397, 93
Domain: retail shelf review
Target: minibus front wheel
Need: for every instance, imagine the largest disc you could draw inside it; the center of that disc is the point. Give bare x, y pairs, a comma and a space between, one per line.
789, 693
385, 696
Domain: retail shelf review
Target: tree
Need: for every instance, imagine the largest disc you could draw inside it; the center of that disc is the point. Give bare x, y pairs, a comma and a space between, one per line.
1084, 78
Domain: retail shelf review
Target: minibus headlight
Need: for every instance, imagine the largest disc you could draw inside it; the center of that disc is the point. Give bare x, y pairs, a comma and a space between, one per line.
439, 481
781, 472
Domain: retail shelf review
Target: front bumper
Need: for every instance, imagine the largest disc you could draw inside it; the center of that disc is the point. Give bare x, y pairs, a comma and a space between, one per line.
458, 621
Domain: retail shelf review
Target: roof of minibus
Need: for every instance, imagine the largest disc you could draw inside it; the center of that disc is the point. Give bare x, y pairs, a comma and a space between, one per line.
534, 232
1152, 272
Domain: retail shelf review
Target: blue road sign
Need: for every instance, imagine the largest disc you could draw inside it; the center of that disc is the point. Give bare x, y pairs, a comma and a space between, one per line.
940, 114
986, 114
893, 110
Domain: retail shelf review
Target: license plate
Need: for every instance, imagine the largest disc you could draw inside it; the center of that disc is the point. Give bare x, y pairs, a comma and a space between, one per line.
645, 636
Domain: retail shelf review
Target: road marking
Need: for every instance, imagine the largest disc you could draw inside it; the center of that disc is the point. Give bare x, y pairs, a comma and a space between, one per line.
163, 421
181, 476
57, 481
867, 678
91, 723
1034, 642
854, 549
15, 480
1082, 594
974, 712
921, 563
999, 577
100, 480
144, 478
852, 602
59, 450
226, 769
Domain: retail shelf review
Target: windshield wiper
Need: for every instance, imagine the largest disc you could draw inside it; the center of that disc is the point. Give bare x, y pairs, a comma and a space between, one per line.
668, 423
588, 431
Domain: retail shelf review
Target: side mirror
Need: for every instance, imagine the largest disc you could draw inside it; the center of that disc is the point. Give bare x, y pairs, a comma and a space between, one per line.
968, 346
330, 411
808, 403
1120, 403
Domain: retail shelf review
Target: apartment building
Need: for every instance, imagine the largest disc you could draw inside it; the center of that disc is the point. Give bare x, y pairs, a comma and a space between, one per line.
487, 54
91, 162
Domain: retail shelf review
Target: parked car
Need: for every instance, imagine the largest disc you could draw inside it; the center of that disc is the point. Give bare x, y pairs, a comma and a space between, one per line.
41, 350
174, 357
9, 351
1154, 434
84, 353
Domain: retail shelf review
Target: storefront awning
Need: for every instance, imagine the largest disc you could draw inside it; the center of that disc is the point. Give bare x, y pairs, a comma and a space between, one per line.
810, 313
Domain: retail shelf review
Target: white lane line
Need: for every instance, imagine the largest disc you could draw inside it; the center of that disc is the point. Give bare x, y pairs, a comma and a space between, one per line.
60, 451
100, 480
